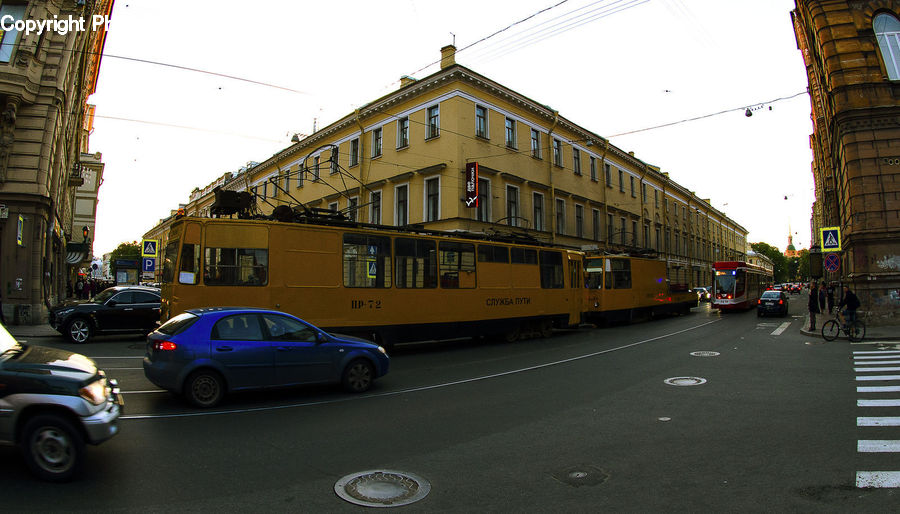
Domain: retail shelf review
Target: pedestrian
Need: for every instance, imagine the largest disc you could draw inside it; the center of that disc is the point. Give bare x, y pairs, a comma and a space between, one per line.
79, 285
813, 305
822, 299
830, 296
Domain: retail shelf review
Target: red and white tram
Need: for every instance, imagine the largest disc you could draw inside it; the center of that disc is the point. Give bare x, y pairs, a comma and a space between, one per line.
738, 285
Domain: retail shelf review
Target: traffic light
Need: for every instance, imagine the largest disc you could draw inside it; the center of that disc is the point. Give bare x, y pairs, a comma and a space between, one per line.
85, 231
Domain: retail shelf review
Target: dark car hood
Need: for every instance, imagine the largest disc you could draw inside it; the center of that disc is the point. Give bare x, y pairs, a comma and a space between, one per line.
44, 360
71, 303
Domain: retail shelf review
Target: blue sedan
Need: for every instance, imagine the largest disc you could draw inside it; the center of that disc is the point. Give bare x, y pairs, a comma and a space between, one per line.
205, 353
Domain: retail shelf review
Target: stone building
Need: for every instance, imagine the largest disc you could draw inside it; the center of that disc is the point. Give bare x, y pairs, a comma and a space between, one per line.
45, 81
402, 160
852, 55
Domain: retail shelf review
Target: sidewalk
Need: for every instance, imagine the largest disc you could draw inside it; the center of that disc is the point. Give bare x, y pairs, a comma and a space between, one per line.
883, 333
32, 331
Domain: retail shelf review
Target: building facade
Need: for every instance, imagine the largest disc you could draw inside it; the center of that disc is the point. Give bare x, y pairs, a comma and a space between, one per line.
45, 81
851, 51
403, 159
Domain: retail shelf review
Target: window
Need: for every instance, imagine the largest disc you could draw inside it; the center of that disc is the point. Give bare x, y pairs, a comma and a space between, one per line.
535, 144
538, 208
367, 261
283, 328
300, 173
594, 169
595, 223
236, 267
646, 236
401, 205
240, 327
643, 192
608, 170
416, 263
433, 199
403, 132
490, 253
354, 153
551, 270
511, 133
168, 263
481, 121
434, 122
523, 256
576, 161
618, 274
887, 33
376, 142
189, 265
375, 207
579, 220
334, 160
609, 228
17, 12
483, 212
557, 152
634, 233
512, 206
333, 206
315, 173
656, 198
560, 216
631, 180
457, 263
621, 181
622, 232
353, 208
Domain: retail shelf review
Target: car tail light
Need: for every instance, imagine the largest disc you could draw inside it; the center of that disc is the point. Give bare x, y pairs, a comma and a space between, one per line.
759, 302
780, 302
165, 346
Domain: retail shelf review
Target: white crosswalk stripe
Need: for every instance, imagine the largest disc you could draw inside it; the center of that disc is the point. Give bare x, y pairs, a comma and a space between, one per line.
879, 411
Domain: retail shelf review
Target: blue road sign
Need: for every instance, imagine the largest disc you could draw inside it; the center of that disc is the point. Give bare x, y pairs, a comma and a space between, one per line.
831, 239
149, 264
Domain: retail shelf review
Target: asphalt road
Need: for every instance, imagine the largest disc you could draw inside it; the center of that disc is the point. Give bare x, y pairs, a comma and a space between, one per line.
580, 422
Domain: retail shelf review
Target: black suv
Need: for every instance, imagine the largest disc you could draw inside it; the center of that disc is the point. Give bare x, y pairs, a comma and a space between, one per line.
118, 309
52, 402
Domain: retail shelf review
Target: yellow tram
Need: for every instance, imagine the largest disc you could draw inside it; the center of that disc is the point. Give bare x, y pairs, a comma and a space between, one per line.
381, 283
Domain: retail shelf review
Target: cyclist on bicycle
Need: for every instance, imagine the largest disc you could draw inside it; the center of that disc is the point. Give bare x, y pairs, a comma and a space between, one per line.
849, 302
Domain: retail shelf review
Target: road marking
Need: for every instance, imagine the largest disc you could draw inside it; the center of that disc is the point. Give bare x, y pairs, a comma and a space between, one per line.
873, 378
878, 389
883, 479
872, 363
422, 388
878, 403
781, 329
888, 421
886, 354
877, 446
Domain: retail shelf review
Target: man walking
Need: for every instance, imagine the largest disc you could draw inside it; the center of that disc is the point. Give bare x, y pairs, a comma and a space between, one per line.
813, 305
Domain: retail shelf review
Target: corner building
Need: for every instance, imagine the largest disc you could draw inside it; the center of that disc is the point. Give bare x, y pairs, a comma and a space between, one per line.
851, 51
401, 160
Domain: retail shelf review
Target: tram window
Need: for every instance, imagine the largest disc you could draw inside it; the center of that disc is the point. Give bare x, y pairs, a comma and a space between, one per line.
523, 256
457, 261
416, 263
236, 267
594, 269
552, 270
189, 270
171, 253
618, 274
490, 253
367, 261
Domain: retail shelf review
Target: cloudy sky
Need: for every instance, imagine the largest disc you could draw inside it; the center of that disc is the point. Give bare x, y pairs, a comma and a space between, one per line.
191, 90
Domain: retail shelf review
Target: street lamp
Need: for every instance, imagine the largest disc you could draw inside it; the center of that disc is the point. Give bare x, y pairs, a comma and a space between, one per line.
815, 261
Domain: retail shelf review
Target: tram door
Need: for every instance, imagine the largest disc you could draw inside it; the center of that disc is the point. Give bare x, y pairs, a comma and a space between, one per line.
576, 293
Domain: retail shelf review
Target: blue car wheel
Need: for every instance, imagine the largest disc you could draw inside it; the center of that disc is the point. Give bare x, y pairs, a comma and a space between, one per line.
204, 388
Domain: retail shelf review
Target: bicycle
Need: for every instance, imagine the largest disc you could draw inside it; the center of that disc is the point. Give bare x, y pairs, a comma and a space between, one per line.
855, 330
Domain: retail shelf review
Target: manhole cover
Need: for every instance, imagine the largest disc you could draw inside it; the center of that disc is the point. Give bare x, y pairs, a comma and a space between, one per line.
581, 475
382, 488
705, 353
685, 381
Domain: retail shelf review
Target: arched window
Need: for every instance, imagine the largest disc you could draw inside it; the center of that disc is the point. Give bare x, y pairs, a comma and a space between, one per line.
887, 33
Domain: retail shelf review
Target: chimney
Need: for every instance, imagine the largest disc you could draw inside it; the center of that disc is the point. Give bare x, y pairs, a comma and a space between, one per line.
406, 80
448, 56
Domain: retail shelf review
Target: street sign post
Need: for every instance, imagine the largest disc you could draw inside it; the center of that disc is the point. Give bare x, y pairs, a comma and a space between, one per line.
149, 247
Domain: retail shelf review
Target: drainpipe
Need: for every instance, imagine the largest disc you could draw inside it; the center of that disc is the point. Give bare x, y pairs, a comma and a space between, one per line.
604, 189
361, 214
550, 175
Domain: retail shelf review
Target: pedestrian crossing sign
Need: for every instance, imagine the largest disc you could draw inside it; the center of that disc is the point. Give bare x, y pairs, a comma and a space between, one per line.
149, 247
831, 239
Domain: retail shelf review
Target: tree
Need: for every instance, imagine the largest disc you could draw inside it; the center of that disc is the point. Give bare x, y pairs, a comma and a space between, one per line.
126, 252
779, 261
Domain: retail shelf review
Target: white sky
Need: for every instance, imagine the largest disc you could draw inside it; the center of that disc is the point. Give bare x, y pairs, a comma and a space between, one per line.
650, 63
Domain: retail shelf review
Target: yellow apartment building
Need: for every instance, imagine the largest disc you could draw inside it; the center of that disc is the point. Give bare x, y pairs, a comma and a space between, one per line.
402, 160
